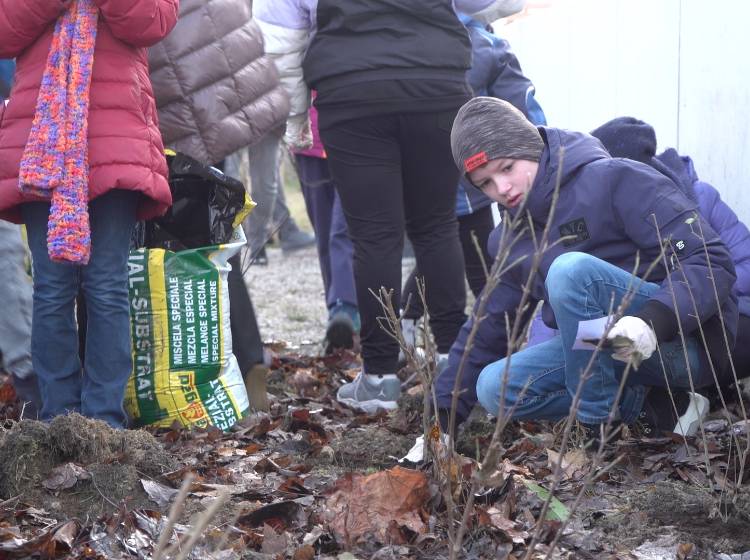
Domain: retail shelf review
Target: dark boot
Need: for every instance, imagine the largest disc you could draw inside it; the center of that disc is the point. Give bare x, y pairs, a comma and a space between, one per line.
29, 398
658, 414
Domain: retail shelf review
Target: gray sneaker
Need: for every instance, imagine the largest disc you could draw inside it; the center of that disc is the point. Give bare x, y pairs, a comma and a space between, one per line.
369, 393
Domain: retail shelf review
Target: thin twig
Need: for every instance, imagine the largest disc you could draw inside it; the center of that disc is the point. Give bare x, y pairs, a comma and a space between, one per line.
200, 526
174, 514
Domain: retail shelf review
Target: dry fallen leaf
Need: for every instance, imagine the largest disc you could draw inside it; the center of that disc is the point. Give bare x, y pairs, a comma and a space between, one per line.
65, 476
684, 550
360, 505
229, 451
574, 463
306, 552
496, 476
274, 543
304, 382
10, 539
507, 526
741, 427
55, 542
416, 391
279, 515
67, 532
159, 493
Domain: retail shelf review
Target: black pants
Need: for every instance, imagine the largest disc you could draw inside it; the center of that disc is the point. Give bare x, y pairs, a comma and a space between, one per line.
396, 172
247, 345
481, 224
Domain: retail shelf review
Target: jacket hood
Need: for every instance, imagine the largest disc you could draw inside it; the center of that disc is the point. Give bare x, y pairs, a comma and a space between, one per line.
577, 148
679, 169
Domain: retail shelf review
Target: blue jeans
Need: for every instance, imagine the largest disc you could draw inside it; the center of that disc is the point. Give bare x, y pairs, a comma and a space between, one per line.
581, 287
335, 249
96, 390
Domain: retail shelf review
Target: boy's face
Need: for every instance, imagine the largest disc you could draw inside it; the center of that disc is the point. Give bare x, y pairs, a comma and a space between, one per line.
506, 181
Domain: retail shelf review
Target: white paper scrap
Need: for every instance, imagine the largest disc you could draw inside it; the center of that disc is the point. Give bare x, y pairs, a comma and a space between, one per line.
591, 330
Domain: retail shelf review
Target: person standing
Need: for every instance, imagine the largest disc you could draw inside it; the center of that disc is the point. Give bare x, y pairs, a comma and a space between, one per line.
495, 72
15, 321
389, 79
80, 198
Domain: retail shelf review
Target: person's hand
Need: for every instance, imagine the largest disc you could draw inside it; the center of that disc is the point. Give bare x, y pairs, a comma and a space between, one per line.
298, 135
632, 340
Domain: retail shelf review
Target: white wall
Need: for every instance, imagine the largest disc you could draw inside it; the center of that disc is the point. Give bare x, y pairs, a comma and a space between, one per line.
681, 65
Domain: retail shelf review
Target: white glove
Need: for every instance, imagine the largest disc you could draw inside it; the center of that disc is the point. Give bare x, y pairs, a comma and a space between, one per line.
298, 135
632, 339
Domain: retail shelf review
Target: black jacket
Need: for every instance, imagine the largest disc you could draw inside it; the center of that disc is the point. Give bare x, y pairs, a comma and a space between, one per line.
366, 40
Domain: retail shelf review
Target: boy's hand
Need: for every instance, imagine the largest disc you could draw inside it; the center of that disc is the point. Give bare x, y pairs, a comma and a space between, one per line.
632, 340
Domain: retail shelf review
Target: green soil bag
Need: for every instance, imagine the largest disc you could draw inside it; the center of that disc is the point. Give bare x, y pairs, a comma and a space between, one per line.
183, 366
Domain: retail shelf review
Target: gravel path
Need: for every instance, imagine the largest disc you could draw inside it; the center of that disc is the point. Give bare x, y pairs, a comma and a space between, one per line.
289, 301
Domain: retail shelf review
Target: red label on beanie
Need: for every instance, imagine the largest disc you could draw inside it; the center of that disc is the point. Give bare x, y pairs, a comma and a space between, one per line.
477, 160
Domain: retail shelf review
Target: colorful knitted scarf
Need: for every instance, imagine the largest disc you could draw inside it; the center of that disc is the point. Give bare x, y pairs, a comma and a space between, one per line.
55, 163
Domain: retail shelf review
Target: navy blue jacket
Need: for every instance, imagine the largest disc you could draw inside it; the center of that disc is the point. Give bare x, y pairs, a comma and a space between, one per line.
722, 218
611, 204
495, 72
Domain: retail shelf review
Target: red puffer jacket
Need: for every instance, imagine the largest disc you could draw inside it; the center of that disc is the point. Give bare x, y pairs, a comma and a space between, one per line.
125, 147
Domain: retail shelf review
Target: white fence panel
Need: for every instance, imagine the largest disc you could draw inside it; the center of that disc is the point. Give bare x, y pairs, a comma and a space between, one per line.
680, 65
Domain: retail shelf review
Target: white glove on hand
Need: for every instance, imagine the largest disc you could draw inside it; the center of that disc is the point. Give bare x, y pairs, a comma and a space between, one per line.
632, 339
298, 135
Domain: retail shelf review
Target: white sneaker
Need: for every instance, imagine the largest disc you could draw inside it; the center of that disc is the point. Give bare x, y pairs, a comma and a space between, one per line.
409, 330
697, 410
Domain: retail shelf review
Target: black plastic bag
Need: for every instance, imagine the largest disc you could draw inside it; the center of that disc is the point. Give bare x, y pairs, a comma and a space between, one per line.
205, 203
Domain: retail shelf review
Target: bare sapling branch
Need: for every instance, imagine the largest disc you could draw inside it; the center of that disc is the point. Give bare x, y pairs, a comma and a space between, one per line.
174, 514
742, 453
492, 457
683, 338
746, 451
424, 369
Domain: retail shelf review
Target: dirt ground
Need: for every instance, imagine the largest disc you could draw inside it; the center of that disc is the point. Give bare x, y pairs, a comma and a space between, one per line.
289, 307
686, 513
281, 469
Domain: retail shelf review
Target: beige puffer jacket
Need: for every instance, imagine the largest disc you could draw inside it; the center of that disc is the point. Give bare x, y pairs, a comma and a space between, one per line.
216, 90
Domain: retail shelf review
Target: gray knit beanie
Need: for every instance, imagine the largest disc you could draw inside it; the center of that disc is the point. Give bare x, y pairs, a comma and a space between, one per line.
488, 128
